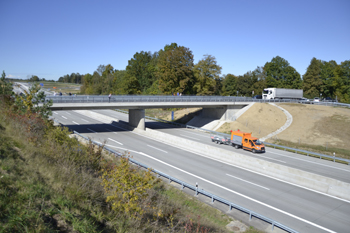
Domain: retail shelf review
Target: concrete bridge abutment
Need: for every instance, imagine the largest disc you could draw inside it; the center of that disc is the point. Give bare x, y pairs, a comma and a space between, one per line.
224, 113
137, 118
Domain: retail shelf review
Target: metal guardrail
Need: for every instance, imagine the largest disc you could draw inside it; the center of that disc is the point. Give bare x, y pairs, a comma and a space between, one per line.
322, 156
199, 191
328, 157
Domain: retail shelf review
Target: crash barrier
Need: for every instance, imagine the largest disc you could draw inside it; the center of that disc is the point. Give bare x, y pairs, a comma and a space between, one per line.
309, 153
276, 146
198, 191
285, 148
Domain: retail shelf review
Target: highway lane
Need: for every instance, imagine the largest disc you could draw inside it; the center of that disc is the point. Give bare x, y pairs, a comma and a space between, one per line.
278, 200
314, 165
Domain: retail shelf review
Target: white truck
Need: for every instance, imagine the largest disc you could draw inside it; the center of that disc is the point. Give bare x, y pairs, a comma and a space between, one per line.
281, 93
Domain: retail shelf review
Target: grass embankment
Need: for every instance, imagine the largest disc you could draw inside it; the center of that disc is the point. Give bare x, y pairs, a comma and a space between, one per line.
51, 183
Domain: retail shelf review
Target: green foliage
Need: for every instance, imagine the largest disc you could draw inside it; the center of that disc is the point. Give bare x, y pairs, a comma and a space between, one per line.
126, 187
206, 72
175, 70
34, 102
229, 86
280, 74
312, 79
5, 87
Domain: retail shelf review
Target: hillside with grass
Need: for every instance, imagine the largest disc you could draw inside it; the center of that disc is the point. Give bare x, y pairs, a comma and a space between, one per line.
50, 182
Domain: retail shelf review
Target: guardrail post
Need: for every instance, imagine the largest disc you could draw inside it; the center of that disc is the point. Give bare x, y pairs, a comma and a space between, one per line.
273, 224
230, 206
169, 180
212, 199
182, 186
250, 216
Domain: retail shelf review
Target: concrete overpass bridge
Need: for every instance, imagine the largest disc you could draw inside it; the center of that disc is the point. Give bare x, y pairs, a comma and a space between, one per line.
219, 107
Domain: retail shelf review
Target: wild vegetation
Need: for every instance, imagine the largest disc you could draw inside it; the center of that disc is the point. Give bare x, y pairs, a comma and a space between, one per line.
52, 183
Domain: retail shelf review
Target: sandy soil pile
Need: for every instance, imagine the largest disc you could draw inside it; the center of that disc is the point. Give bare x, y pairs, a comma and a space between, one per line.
261, 119
318, 125
312, 124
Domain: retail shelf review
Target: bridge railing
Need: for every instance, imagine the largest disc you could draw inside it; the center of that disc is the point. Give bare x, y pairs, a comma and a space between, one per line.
198, 191
133, 98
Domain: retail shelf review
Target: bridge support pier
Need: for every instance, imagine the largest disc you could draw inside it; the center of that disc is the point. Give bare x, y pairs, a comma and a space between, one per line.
137, 118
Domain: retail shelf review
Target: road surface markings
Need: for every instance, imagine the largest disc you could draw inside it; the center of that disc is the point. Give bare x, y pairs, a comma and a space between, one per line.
158, 149
75, 123
68, 113
189, 137
110, 131
84, 120
269, 158
91, 130
115, 141
55, 112
240, 194
64, 117
248, 181
310, 162
230, 164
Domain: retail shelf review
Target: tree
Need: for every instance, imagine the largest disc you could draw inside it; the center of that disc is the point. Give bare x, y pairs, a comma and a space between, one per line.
206, 73
312, 79
280, 74
142, 68
229, 86
34, 102
175, 70
5, 87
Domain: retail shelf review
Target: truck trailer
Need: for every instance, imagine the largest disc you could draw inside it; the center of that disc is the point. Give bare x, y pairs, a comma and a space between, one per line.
240, 139
282, 93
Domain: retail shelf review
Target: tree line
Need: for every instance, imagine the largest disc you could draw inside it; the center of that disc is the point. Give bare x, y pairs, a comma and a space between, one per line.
172, 70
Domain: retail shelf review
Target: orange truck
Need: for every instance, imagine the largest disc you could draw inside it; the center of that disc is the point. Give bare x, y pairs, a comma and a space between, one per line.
246, 141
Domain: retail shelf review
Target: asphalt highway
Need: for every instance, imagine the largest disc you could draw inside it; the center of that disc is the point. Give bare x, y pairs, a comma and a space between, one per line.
310, 164
301, 209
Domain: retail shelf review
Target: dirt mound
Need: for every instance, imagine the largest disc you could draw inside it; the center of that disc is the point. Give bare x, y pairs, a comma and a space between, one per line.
261, 119
318, 125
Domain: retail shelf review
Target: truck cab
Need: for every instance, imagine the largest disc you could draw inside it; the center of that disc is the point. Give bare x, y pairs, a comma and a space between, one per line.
253, 144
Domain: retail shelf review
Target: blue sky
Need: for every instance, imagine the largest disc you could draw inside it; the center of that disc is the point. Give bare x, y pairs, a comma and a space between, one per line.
53, 38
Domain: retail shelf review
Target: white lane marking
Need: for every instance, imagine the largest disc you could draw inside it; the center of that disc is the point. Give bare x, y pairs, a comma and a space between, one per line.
230, 164
310, 162
91, 130
84, 120
240, 194
123, 149
157, 149
68, 113
55, 112
269, 158
189, 137
111, 131
75, 123
206, 136
248, 181
243, 168
115, 141
64, 117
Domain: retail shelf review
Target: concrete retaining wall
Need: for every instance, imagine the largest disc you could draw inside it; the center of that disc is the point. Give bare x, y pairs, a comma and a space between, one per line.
306, 179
